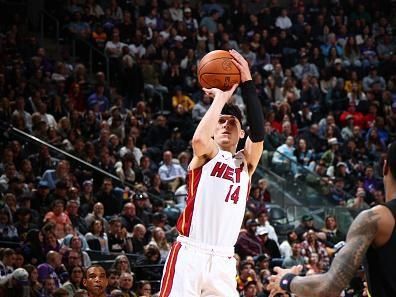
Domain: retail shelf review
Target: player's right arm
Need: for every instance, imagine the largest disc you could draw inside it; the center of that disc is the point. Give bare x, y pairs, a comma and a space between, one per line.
203, 144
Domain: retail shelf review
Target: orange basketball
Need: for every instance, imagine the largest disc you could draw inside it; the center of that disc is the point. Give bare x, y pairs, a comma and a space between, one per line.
216, 70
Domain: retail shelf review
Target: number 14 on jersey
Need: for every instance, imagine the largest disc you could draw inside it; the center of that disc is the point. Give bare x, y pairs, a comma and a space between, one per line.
233, 194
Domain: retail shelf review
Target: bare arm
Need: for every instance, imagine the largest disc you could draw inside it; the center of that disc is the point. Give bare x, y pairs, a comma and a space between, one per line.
202, 142
361, 235
253, 152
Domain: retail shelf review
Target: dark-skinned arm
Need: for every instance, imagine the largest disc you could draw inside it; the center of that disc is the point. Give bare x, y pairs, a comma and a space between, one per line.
346, 263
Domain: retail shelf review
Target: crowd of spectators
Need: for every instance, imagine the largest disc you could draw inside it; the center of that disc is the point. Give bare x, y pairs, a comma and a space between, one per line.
324, 73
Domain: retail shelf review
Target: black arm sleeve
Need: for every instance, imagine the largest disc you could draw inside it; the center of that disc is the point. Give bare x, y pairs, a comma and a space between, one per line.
255, 117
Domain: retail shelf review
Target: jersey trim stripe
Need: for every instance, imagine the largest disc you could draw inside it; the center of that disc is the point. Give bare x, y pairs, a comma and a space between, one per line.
184, 221
167, 280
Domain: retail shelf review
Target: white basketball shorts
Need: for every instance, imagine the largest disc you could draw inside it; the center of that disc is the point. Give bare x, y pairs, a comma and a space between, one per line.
196, 270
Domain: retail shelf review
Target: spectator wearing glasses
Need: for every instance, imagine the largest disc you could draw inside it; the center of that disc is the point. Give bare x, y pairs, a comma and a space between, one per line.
75, 280
121, 264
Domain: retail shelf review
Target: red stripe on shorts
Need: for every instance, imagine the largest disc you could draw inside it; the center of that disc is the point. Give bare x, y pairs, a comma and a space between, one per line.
167, 280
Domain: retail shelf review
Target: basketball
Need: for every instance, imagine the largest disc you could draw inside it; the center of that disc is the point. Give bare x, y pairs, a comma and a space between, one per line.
216, 70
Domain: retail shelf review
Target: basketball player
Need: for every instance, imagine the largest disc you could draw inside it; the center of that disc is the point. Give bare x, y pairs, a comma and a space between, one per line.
372, 235
201, 262
95, 280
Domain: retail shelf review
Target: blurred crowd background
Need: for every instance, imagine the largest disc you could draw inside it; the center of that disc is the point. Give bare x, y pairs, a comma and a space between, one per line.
114, 83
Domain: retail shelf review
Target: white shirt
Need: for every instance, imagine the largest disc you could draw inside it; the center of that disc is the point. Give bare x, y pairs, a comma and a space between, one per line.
50, 120
180, 195
170, 172
135, 151
137, 51
283, 22
111, 45
176, 14
285, 249
271, 232
150, 22
27, 116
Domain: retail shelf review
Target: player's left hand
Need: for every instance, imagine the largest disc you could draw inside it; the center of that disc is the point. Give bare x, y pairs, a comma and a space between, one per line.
274, 285
216, 93
241, 64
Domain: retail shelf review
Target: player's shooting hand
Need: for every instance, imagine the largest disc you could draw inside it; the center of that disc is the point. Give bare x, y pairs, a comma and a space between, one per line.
241, 64
274, 285
217, 93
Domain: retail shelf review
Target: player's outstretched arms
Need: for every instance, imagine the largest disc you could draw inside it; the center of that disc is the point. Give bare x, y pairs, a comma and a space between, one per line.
202, 142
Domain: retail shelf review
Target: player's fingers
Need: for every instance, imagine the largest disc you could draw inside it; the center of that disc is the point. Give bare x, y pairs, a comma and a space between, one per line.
273, 278
233, 88
237, 56
237, 64
299, 268
208, 92
277, 269
273, 283
296, 269
274, 292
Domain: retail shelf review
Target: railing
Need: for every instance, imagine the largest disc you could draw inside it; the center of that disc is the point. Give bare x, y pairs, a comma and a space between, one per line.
99, 256
307, 189
9, 244
84, 44
47, 17
295, 197
344, 215
171, 208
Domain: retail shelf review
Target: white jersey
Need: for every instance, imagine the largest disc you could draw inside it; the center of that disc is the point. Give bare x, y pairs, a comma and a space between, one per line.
216, 200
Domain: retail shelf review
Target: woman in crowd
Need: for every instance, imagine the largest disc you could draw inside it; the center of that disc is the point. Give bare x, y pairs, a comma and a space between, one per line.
33, 247
121, 264
75, 280
96, 232
151, 261
76, 246
305, 156
8, 232
34, 284
159, 240
51, 243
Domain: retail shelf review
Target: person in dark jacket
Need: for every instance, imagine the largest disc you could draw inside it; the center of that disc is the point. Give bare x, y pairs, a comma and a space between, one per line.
108, 197
268, 246
248, 244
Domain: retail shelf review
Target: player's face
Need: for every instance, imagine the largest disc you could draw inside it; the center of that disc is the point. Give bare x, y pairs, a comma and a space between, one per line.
96, 281
228, 131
